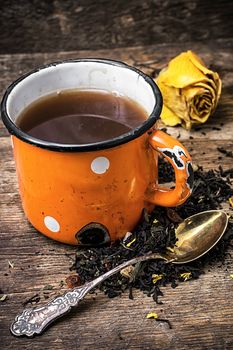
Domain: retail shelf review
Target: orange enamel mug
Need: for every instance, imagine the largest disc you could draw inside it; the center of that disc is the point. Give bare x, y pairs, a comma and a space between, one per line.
93, 193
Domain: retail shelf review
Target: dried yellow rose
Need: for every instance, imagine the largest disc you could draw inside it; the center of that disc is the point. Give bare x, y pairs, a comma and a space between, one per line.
190, 90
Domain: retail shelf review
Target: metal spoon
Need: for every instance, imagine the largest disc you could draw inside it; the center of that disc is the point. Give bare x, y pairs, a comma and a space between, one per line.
196, 235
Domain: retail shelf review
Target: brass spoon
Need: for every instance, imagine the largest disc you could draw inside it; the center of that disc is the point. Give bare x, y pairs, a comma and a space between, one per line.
196, 235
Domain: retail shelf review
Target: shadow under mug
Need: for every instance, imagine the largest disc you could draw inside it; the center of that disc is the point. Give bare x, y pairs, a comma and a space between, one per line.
93, 193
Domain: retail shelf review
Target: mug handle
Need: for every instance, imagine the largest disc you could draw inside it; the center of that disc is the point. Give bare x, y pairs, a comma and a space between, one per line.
180, 159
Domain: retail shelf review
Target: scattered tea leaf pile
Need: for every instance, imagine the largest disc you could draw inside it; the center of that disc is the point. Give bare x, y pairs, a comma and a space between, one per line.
154, 234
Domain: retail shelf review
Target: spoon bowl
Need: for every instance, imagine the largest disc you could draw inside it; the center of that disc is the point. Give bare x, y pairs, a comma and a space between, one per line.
198, 234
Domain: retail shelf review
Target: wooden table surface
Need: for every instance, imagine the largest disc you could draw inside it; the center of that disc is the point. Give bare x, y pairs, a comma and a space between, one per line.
201, 311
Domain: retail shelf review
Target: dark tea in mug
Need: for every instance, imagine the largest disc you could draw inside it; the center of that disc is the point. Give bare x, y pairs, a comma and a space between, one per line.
81, 116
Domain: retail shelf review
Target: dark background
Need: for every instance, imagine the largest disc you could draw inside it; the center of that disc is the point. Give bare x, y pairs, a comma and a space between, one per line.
68, 25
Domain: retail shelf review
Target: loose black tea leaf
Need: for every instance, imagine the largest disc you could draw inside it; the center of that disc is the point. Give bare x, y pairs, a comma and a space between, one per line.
173, 215
225, 152
33, 300
156, 232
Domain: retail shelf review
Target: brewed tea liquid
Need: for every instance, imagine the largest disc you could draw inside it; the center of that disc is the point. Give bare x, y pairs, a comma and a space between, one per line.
80, 116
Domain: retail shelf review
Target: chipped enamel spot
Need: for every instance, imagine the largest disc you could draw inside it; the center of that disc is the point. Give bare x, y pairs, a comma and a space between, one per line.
175, 155
51, 224
100, 165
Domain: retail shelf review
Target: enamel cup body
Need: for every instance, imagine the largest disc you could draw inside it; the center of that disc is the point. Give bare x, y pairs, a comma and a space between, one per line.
93, 193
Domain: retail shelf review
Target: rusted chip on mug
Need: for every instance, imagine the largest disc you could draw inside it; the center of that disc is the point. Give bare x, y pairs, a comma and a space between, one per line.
93, 234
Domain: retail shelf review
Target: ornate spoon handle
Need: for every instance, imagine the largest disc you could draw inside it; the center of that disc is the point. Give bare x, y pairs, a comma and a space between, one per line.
35, 320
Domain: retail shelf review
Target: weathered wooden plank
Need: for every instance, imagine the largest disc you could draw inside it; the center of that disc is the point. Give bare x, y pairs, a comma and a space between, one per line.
107, 324
149, 59
46, 26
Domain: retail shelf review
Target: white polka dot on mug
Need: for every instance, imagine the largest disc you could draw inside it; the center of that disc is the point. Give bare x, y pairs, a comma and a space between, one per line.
52, 224
100, 165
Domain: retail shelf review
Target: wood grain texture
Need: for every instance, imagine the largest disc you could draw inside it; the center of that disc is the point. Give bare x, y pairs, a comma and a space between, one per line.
48, 26
200, 311
151, 59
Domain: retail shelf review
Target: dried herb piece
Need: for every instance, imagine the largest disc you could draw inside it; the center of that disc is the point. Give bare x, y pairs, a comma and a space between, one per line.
156, 278
48, 287
186, 276
3, 297
156, 293
35, 299
127, 271
130, 243
155, 316
11, 264
130, 292
73, 281
152, 315
225, 152
173, 216
231, 201
61, 283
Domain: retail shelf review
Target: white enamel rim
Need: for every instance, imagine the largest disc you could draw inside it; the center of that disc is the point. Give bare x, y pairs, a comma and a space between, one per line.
85, 73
